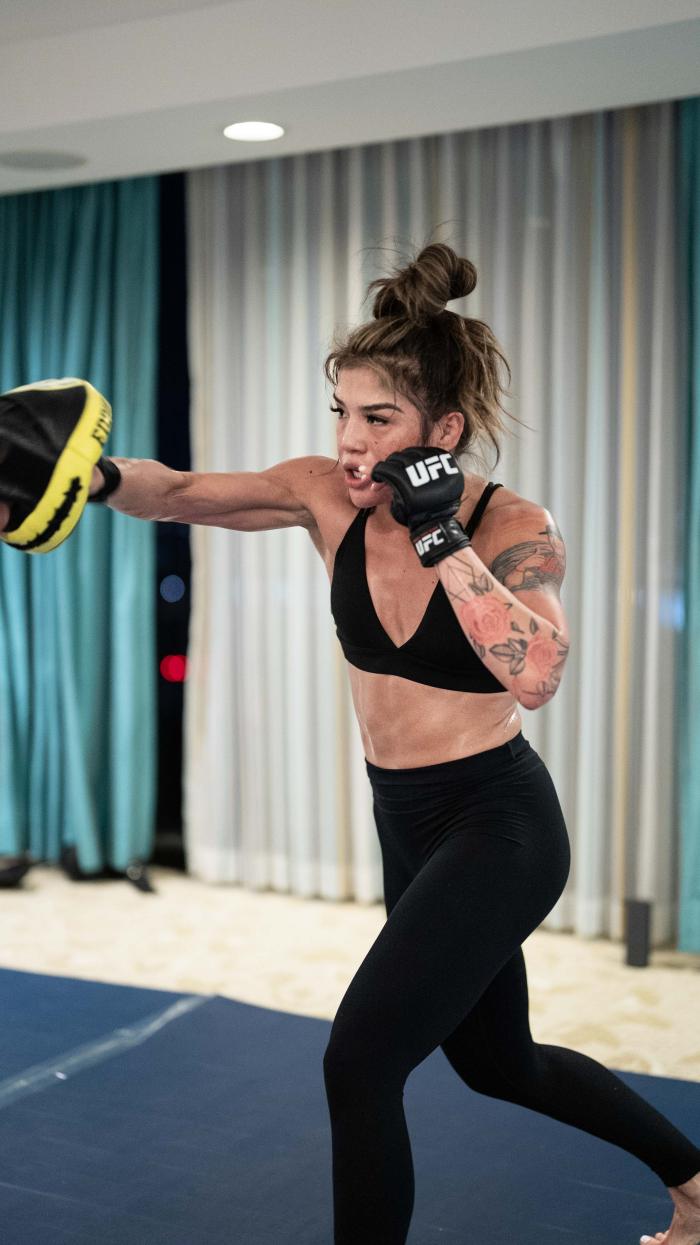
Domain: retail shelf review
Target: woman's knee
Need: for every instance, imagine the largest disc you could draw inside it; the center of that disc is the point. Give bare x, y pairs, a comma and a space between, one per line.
351, 1052
477, 1072
352, 1077
497, 1076
357, 1062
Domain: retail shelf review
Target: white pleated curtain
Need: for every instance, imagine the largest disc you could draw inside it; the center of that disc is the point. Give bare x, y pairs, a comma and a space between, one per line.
570, 225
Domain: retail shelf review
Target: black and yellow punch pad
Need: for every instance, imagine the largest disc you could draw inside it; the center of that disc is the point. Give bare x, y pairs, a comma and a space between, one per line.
51, 435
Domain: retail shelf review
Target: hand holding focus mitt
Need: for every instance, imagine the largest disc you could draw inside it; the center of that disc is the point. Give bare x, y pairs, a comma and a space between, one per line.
428, 486
51, 436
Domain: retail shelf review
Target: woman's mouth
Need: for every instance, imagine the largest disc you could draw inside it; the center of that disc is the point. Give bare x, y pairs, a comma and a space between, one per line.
360, 480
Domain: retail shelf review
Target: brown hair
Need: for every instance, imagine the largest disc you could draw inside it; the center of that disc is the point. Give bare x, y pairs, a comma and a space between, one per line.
437, 359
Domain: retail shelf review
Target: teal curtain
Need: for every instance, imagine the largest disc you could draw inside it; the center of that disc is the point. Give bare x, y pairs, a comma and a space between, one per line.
689, 674
78, 766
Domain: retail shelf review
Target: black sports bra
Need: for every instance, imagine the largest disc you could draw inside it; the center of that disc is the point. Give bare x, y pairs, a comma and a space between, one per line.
438, 653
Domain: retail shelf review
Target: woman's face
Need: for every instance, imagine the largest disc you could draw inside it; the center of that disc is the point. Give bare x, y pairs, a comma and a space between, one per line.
366, 437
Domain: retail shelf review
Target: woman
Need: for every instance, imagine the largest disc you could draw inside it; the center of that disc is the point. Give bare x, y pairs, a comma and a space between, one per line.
445, 635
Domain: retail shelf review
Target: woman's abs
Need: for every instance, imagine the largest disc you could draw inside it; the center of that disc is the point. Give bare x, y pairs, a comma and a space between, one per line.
405, 724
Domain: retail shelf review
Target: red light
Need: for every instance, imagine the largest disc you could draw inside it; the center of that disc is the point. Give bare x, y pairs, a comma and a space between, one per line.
174, 668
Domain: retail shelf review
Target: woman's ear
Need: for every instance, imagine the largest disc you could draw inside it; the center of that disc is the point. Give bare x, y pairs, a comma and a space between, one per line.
450, 429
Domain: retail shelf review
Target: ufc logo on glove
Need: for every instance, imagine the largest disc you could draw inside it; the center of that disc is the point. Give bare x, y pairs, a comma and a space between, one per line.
433, 538
429, 469
427, 489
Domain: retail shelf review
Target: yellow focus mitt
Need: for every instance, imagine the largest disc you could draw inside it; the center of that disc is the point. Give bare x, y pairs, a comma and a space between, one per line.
51, 436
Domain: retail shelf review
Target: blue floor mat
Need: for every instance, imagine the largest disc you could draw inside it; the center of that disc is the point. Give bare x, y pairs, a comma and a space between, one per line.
145, 1117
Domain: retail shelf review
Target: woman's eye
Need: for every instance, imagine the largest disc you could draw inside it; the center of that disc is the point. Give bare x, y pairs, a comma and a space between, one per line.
377, 419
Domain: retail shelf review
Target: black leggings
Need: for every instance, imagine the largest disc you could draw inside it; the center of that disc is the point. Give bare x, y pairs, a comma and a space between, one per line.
475, 854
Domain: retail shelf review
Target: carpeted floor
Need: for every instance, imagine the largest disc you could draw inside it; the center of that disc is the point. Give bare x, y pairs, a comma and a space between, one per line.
298, 955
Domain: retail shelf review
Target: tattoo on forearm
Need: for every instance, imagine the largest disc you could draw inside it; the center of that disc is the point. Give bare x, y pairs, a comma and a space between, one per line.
490, 624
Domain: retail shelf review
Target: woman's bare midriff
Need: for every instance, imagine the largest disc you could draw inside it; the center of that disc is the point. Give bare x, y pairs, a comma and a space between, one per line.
405, 724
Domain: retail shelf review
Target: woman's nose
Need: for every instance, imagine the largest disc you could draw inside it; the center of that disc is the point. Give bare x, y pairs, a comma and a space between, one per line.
352, 445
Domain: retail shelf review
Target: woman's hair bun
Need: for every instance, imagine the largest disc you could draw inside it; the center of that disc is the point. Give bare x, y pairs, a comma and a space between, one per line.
421, 290
440, 361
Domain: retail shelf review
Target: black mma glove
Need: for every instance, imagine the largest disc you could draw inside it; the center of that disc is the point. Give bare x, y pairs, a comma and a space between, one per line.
112, 479
427, 485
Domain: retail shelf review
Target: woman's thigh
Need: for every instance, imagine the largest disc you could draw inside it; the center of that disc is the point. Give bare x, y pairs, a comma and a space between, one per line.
492, 1048
455, 925
493, 1042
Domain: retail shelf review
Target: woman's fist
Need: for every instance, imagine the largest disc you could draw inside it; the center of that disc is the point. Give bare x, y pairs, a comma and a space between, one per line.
427, 483
427, 486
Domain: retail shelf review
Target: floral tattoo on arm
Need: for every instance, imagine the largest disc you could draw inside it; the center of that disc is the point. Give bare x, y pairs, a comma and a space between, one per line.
504, 633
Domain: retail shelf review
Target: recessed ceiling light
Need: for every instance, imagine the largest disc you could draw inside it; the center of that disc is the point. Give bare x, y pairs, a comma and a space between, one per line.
41, 160
253, 131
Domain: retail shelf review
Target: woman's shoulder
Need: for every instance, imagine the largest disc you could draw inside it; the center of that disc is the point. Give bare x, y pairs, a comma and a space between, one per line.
514, 503
500, 499
320, 485
317, 481
505, 510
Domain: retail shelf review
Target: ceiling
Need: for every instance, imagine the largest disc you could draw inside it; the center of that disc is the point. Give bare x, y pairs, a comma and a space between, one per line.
131, 87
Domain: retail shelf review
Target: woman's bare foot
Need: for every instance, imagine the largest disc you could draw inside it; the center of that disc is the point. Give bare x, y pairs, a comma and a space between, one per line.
685, 1225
